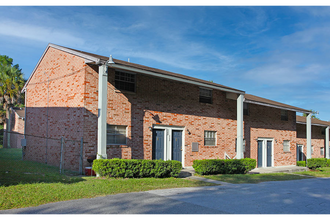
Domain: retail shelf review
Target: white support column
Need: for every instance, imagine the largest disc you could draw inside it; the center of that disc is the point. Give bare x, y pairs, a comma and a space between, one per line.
309, 135
102, 113
327, 143
239, 153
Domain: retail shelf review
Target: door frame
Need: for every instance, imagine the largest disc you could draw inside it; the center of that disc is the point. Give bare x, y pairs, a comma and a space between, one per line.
302, 152
168, 140
264, 151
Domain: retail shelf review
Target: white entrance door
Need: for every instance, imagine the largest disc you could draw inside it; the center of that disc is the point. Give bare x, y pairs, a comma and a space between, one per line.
265, 152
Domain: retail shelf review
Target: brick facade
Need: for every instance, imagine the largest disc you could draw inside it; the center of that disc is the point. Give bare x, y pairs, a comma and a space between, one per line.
73, 109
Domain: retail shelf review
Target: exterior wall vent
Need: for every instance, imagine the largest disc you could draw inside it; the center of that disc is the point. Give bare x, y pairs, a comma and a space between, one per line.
194, 147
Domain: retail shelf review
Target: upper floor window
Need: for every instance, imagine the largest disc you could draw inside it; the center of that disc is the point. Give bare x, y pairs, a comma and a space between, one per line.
245, 108
125, 81
284, 115
205, 95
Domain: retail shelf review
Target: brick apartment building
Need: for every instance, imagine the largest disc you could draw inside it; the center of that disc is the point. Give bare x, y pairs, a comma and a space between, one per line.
134, 111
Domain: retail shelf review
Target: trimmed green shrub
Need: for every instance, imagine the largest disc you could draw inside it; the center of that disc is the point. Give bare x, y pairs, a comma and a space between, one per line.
301, 163
315, 163
137, 168
328, 163
227, 166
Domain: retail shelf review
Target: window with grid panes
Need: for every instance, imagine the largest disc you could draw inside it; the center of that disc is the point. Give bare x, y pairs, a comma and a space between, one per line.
209, 138
116, 134
125, 81
322, 151
286, 146
284, 115
205, 95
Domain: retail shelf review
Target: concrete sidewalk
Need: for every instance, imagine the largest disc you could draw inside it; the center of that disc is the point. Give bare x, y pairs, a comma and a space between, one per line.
189, 171
282, 169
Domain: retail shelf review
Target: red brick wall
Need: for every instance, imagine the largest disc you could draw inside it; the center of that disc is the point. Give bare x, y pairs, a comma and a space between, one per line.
66, 109
265, 122
17, 127
169, 102
73, 109
318, 139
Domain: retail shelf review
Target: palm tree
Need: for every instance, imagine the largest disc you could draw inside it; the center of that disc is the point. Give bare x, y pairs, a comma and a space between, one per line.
11, 83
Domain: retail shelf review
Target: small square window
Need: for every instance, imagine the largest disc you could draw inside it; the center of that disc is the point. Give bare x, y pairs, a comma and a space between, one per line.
116, 134
286, 146
322, 151
209, 138
323, 131
205, 95
312, 149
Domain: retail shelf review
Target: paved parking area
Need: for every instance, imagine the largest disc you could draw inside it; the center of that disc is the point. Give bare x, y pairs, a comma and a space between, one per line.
307, 196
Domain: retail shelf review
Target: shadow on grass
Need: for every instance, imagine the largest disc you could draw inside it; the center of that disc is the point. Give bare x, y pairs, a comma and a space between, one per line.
14, 171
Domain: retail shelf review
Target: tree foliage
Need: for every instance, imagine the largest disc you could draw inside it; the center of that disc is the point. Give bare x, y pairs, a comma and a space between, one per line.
11, 84
314, 113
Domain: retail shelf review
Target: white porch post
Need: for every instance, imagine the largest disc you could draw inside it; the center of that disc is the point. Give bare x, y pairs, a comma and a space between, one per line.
309, 135
102, 113
327, 143
240, 100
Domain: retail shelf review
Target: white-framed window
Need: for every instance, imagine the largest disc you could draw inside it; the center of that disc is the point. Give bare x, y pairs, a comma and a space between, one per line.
312, 149
286, 146
205, 95
125, 81
322, 151
210, 138
116, 134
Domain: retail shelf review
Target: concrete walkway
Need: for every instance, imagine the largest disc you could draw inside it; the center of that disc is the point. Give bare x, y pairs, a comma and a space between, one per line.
282, 169
189, 172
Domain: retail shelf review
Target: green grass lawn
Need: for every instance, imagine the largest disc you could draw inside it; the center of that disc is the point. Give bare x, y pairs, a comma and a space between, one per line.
320, 172
26, 183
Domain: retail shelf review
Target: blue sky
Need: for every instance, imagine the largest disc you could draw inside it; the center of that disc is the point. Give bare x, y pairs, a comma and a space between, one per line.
277, 52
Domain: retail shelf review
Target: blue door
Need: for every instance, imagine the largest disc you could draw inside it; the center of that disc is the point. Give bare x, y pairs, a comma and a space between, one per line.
269, 153
260, 143
177, 145
158, 144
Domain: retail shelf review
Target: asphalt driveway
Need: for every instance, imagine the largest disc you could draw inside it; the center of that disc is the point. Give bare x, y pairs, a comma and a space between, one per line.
307, 196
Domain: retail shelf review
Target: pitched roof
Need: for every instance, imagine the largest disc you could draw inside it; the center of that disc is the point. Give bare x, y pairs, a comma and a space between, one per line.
302, 120
262, 101
94, 58
97, 59
20, 112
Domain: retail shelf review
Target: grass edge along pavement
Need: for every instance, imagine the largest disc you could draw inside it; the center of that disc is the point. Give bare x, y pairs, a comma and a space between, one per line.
27, 183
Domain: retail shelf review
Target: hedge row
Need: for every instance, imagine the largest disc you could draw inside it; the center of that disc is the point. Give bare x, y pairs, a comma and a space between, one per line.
315, 163
133, 168
227, 166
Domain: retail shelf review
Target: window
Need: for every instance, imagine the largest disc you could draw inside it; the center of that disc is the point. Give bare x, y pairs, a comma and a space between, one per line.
116, 134
312, 149
209, 138
125, 81
322, 151
236, 145
323, 131
286, 146
205, 95
245, 108
284, 115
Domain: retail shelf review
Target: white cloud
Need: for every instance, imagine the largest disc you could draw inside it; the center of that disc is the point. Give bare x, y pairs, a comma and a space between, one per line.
38, 33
